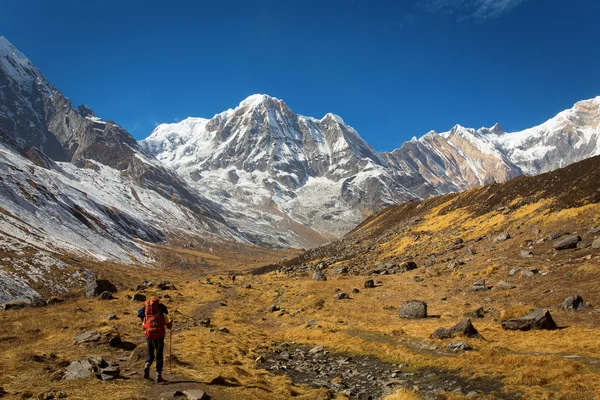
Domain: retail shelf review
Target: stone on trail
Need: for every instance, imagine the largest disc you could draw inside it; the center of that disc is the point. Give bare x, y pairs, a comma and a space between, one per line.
369, 283
79, 369
97, 286
87, 337
463, 328
196, 394
573, 303
109, 373
413, 309
536, 319
318, 276
568, 242
596, 244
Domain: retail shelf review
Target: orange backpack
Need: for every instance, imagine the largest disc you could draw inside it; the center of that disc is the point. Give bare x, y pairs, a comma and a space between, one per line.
154, 320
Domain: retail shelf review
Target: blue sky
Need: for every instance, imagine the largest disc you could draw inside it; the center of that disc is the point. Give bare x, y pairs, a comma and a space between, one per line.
391, 69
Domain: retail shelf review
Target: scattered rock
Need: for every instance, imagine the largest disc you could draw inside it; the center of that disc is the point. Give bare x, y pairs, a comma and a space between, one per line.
340, 270
568, 242
319, 276
16, 304
503, 285
111, 317
596, 244
413, 309
78, 370
97, 286
514, 271
272, 309
109, 373
205, 322
223, 330
196, 394
479, 286
138, 297
501, 238
458, 346
355, 290
463, 328
583, 245
342, 296
479, 313
573, 303
526, 254
407, 266
316, 349
87, 337
369, 283
417, 278
166, 285
536, 319
458, 241
248, 286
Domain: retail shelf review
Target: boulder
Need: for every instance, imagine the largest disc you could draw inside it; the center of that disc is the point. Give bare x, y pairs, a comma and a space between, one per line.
501, 238
319, 276
567, 242
407, 266
479, 286
369, 283
79, 369
458, 346
479, 313
342, 296
138, 297
340, 270
536, 319
413, 309
596, 244
97, 286
106, 295
463, 328
166, 285
195, 394
503, 285
526, 254
573, 303
109, 373
87, 337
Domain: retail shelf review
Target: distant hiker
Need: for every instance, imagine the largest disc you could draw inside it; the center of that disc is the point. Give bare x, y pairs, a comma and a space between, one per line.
233, 278
155, 318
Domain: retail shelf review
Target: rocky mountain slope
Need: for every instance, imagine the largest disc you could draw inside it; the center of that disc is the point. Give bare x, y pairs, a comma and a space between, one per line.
73, 183
299, 180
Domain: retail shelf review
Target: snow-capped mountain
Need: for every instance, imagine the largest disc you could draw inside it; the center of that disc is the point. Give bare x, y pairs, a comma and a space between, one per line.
279, 175
72, 183
283, 176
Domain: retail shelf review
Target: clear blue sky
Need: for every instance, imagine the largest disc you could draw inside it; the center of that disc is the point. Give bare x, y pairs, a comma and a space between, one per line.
391, 69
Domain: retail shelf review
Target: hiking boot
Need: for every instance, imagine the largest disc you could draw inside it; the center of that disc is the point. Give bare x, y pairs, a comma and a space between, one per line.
159, 378
146, 371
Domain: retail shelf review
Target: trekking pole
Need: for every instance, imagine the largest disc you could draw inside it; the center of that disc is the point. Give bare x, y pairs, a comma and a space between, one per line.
171, 350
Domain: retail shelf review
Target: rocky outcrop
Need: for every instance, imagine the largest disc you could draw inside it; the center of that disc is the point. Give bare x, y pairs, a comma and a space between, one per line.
413, 309
536, 319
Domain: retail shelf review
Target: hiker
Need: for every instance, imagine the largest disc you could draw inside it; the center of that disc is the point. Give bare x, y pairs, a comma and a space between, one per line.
155, 318
233, 278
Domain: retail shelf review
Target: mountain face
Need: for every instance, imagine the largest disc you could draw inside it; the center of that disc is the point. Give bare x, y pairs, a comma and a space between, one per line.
74, 184
281, 175
302, 180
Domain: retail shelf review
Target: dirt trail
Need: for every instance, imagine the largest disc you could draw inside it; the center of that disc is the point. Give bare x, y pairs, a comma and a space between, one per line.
176, 382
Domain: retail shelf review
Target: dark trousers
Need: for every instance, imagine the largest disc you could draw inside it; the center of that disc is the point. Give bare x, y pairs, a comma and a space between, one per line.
157, 345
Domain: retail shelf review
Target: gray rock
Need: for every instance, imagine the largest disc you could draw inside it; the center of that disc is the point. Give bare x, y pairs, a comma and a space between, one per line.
319, 276
526, 254
463, 328
583, 245
407, 266
458, 346
536, 319
273, 308
503, 285
138, 297
78, 370
196, 394
97, 286
111, 317
568, 242
369, 283
573, 303
479, 313
87, 337
109, 373
355, 290
342, 296
340, 271
527, 273
458, 241
16, 304
413, 309
501, 238
596, 244
479, 286
166, 285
